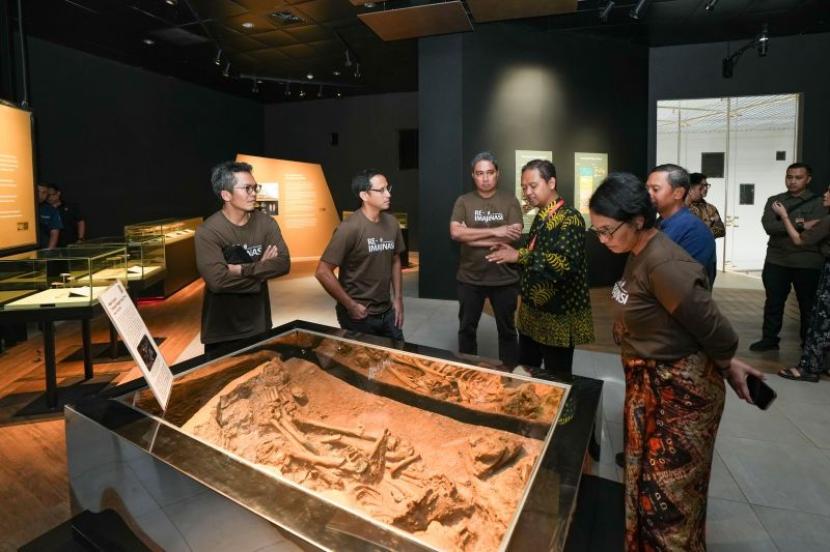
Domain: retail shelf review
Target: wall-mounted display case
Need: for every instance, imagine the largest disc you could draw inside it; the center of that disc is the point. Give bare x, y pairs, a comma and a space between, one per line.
60, 278
145, 256
179, 248
337, 441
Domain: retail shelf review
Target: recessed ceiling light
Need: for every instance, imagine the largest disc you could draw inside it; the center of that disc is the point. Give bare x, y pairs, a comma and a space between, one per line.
172, 2
148, 41
248, 25
310, 76
336, 73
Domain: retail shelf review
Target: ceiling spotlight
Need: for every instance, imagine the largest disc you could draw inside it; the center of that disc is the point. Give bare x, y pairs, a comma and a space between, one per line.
763, 41
710, 6
637, 11
172, 2
287, 89
218, 59
226, 72
302, 93
320, 92
148, 41
255, 87
247, 25
357, 70
606, 11
310, 76
336, 73
348, 59
339, 94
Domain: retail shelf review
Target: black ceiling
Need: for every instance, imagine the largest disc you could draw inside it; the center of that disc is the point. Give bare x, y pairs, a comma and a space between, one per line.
285, 40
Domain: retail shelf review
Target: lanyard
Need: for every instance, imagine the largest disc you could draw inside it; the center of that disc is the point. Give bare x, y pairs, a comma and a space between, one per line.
552, 212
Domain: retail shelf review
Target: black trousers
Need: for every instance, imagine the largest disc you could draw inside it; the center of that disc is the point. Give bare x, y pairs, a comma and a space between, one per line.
382, 325
503, 299
556, 359
777, 282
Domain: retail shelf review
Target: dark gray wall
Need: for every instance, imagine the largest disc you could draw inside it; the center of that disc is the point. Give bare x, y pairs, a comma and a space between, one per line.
367, 128
528, 90
128, 144
793, 64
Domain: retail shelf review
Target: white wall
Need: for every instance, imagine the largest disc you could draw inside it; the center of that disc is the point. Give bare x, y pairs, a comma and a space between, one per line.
750, 159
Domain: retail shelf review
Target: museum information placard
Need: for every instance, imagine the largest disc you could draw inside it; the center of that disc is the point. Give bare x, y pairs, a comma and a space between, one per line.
18, 219
135, 335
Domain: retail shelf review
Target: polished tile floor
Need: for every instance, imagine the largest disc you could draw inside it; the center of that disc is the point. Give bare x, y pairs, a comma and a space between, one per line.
770, 487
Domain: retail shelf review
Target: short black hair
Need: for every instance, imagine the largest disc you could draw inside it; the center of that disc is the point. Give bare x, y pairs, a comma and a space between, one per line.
360, 181
678, 176
800, 165
623, 197
696, 178
483, 156
546, 169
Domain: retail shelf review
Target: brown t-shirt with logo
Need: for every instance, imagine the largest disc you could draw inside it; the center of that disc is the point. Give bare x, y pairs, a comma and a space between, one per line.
664, 309
364, 251
476, 212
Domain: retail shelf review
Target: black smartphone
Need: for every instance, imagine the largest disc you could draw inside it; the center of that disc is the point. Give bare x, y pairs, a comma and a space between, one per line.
761, 394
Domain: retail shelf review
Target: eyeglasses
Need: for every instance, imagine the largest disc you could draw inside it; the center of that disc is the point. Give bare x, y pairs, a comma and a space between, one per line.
604, 232
250, 188
381, 190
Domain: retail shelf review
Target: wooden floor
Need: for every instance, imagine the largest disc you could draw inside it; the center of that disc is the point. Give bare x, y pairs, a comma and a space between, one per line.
34, 493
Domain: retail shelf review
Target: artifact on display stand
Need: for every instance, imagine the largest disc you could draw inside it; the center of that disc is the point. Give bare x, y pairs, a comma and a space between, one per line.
342, 441
59, 278
178, 252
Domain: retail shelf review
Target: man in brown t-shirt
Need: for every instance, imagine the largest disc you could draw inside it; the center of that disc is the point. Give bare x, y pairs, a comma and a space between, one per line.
366, 247
237, 250
480, 219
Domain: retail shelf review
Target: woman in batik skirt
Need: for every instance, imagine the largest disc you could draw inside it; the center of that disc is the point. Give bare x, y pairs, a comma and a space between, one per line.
676, 349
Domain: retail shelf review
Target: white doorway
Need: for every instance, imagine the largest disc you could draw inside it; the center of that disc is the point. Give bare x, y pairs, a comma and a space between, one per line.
744, 145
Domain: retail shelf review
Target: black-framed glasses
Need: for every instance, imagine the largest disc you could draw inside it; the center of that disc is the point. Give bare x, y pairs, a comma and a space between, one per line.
250, 188
381, 190
604, 232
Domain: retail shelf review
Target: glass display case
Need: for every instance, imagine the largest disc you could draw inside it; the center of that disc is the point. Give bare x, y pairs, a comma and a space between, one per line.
179, 250
145, 255
59, 278
339, 441
172, 229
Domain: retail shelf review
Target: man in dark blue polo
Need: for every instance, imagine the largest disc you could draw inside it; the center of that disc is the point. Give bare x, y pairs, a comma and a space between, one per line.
49, 220
668, 185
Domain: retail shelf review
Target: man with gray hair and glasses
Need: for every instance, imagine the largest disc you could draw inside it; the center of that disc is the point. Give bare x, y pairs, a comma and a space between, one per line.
238, 249
481, 219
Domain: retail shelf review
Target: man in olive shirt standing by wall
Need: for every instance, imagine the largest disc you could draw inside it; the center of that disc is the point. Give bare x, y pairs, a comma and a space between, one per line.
238, 249
366, 247
787, 264
481, 219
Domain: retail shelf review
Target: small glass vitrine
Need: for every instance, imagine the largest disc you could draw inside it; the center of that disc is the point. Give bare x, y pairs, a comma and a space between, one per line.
145, 254
59, 278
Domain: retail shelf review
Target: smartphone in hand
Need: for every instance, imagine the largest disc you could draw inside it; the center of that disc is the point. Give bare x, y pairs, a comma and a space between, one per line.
761, 394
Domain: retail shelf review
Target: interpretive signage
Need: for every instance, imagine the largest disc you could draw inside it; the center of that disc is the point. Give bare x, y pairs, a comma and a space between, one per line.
589, 171
135, 335
18, 220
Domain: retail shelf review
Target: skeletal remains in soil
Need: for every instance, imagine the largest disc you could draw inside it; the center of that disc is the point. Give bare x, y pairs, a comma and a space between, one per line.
448, 382
268, 420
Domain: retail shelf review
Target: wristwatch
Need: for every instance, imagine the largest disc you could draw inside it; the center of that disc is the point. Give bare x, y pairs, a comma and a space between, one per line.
799, 226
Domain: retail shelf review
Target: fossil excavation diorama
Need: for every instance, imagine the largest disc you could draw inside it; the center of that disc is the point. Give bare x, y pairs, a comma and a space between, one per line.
427, 471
